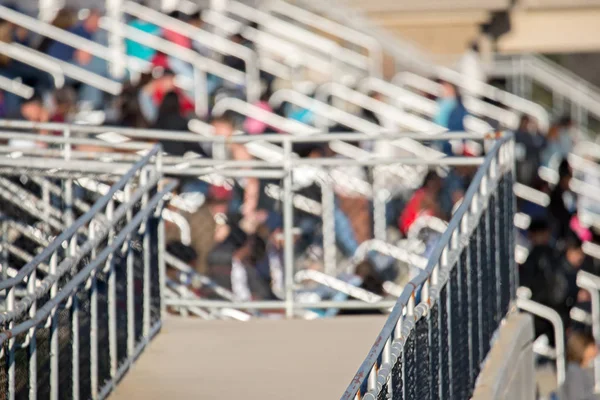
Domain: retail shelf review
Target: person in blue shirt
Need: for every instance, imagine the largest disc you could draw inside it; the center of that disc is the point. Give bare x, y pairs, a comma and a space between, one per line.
451, 113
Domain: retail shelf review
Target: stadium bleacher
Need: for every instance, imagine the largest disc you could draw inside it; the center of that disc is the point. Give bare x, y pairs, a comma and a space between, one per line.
242, 161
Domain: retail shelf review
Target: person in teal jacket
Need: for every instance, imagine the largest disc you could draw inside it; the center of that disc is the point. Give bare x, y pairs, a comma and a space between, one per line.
136, 49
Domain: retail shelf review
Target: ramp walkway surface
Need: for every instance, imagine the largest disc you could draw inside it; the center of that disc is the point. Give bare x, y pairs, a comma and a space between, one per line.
259, 359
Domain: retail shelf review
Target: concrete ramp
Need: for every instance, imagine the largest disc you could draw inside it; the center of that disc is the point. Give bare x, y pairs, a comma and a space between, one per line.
260, 359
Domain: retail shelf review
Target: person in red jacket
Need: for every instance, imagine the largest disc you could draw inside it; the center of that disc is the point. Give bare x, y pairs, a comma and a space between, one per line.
423, 202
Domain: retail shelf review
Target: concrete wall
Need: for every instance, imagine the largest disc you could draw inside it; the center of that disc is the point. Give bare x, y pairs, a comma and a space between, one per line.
508, 372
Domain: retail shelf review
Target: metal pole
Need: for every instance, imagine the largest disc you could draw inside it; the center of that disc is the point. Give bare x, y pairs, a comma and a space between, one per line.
329, 244
130, 283
54, 349
93, 321
32, 342
380, 195
147, 261
112, 297
201, 92
288, 225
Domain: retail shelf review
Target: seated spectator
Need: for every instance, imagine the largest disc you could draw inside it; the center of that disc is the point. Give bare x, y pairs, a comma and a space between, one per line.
92, 97
558, 143
66, 19
549, 275
529, 144
32, 110
151, 95
139, 50
451, 113
423, 202
170, 119
454, 187
562, 202
65, 102
579, 382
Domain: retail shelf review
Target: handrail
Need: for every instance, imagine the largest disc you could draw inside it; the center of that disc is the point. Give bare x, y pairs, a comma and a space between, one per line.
403, 98
81, 221
200, 63
549, 314
338, 285
269, 118
476, 106
36, 61
383, 247
81, 276
407, 120
591, 283
489, 91
349, 35
435, 262
15, 87
79, 74
292, 54
60, 35
192, 137
325, 110
298, 34
208, 39
197, 279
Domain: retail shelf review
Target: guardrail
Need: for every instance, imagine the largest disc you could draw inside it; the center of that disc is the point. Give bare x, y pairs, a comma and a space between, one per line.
76, 308
273, 168
436, 347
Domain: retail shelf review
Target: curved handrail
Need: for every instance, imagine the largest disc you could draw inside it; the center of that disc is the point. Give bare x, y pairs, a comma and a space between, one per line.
16, 87
591, 283
549, 314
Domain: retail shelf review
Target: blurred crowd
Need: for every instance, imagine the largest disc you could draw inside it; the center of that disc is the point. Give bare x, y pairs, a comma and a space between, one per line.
236, 226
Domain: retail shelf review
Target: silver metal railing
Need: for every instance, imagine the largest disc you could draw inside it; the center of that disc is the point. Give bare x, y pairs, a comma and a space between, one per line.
591, 283
76, 310
276, 168
425, 347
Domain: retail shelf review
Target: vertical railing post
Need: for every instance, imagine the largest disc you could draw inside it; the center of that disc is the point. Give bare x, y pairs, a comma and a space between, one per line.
201, 93
54, 348
328, 217
93, 319
129, 283
146, 254
32, 339
288, 226
380, 195
112, 295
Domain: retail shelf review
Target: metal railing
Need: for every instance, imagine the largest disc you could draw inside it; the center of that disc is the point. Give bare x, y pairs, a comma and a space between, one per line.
77, 308
436, 347
276, 168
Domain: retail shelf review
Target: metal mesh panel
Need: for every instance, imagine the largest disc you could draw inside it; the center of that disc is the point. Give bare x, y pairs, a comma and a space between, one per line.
459, 368
494, 260
410, 367
153, 224
422, 359
65, 351
120, 271
42, 339
434, 351
474, 303
463, 311
383, 393
103, 341
444, 344
398, 380
487, 275
84, 344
